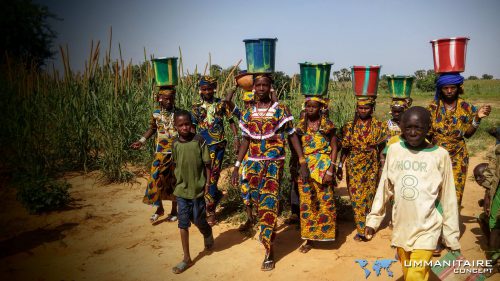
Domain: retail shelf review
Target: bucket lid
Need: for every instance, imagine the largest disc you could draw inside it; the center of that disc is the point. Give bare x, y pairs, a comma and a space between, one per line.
163, 58
448, 39
259, 39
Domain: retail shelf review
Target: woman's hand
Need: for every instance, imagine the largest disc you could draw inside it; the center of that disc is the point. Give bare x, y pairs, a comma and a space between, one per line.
304, 172
484, 111
235, 176
136, 145
328, 177
236, 145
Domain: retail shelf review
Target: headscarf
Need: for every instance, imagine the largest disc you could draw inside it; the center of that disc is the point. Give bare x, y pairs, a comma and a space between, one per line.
444, 79
323, 101
207, 80
262, 75
366, 101
405, 103
247, 96
166, 91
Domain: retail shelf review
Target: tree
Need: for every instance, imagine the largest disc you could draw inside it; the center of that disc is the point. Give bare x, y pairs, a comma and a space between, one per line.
26, 34
425, 80
487, 77
472, 77
281, 83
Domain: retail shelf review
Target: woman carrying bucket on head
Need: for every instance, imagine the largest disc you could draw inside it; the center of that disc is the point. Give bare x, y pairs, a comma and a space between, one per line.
362, 141
209, 115
319, 145
161, 181
400, 91
264, 128
453, 119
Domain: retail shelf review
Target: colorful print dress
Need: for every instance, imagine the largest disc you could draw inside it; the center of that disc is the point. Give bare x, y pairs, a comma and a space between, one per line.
393, 128
161, 181
363, 164
447, 130
266, 128
317, 204
209, 120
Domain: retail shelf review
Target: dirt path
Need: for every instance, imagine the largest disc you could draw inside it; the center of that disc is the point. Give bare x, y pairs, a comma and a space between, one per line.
106, 235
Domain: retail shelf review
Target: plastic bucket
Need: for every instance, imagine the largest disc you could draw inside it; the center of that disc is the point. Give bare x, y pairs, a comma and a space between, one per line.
400, 86
449, 54
165, 71
260, 54
314, 78
365, 80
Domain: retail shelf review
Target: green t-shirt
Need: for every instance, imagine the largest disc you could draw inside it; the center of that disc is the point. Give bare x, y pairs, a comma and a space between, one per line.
190, 159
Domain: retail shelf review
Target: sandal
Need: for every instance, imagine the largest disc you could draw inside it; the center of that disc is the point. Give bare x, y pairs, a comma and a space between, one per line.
154, 217
305, 248
267, 265
360, 238
171, 218
181, 267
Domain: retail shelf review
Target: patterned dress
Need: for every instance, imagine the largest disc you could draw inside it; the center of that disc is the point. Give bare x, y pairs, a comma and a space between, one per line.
447, 130
393, 129
209, 119
161, 181
362, 164
317, 204
266, 129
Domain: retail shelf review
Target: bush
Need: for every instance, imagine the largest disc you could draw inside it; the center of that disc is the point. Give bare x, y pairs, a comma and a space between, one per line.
472, 77
39, 195
487, 77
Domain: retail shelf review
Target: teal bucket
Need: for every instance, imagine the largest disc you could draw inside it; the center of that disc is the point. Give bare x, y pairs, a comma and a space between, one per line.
165, 71
260, 54
400, 86
314, 78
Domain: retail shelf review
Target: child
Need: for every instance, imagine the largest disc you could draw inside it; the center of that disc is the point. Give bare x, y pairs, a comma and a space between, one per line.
317, 205
419, 175
264, 128
209, 115
192, 170
161, 180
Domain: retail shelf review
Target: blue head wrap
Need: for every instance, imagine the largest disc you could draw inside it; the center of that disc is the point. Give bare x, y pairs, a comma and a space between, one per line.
447, 79
207, 80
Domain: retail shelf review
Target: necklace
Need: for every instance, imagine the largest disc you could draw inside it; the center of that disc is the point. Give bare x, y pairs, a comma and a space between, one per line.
268, 106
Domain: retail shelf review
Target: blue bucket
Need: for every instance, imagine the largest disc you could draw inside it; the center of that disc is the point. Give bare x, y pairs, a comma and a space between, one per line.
260, 54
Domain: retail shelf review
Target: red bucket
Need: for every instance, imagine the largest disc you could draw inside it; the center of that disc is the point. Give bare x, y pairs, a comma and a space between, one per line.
449, 54
365, 80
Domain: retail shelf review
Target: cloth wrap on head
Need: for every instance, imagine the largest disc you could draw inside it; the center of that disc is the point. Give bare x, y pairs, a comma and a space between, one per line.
447, 79
400, 103
262, 75
366, 101
207, 80
166, 92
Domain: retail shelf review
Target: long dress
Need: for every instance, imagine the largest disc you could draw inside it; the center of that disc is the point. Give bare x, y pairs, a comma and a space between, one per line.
266, 129
363, 164
447, 130
161, 180
317, 204
209, 120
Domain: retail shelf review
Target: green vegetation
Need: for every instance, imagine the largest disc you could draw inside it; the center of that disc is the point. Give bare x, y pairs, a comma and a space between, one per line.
53, 123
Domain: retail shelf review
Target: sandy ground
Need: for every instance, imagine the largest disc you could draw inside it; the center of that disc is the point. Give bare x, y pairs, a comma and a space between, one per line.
106, 235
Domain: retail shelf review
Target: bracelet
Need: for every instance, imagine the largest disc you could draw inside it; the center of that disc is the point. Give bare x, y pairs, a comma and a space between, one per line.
328, 173
302, 161
340, 165
237, 164
142, 140
475, 123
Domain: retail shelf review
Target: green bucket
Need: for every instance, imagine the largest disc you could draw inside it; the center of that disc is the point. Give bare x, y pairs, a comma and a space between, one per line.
260, 54
165, 71
400, 86
314, 78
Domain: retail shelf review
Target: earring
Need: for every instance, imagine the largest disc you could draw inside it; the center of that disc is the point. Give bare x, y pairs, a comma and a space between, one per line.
253, 91
199, 92
215, 91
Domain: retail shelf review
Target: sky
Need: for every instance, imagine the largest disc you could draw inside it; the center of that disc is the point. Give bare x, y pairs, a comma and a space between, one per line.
391, 33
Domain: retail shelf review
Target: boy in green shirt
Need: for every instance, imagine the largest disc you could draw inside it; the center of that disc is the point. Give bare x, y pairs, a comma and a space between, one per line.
192, 169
